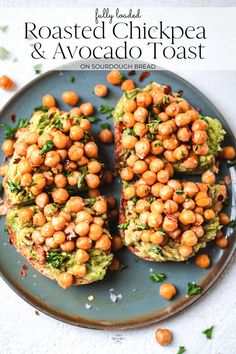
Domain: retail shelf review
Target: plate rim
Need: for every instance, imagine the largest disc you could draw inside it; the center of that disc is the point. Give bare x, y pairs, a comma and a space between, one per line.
155, 317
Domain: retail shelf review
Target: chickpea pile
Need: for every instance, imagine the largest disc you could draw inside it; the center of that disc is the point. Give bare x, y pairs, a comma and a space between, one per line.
77, 227
164, 125
56, 159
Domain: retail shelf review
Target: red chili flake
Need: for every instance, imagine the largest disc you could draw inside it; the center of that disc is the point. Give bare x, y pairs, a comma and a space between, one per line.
16, 160
167, 89
143, 76
37, 313
71, 120
13, 117
5, 158
23, 270
131, 72
10, 241
180, 93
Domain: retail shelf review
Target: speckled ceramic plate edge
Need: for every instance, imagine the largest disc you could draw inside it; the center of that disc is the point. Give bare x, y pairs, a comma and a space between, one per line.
171, 310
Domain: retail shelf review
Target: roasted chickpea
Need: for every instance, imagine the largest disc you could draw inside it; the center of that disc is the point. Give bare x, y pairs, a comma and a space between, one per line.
183, 119
141, 114
163, 336
209, 177
103, 243
42, 200
154, 221
50, 210
130, 106
198, 217
158, 96
48, 101
85, 124
8, 147
171, 143
179, 196
172, 109
39, 219
199, 124
189, 238
174, 234
149, 177
187, 217
157, 147
127, 174
60, 195
95, 232
143, 99
106, 136
75, 153
156, 165
94, 166
58, 222
87, 109
184, 134
224, 219
115, 264
191, 162
165, 128
36, 158
74, 205
25, 215
140, 167
50, 243
26, 180
185, 251
166, 193
92, 180
79, 270
181, 152
100, 206
37, 237
93, 193
32, 138
157, 238
60, 140
199, 137
167, 291
129, 141
114, 77
228, 153
52, 159
141, 206
59, 237
189, 204
129, 192
100, 90
145, 236
202, 187
76, 111
91, 150
202, 199
140, 129
170, 207
142, 148
155, 189
70, 98
84, 243
128, 120
98, 220
170, 224
157, 207
209, 214
221, 242
190, 189
163, 176
142, 190
84, 216
60, 180
6, 83
203, 261
65, 280
143, 217
174, 184
76, 132
47, 230
21, 148
127, 85
68, 246
198, 230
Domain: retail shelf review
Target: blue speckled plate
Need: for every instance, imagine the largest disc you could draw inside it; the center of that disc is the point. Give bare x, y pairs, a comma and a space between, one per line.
138, 302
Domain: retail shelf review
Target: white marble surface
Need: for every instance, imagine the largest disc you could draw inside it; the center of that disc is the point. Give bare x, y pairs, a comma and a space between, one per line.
22, 332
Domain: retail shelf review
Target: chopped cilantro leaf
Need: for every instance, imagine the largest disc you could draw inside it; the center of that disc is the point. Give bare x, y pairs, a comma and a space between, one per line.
157, 277
193, 289
208, 332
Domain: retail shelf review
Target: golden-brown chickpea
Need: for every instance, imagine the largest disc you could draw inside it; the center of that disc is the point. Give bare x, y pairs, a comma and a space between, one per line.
127, 174
21, 148
65, 280
165, 129
221, 242
208, 177
60, 180
167, 291
92, 180
59, 237
98, 220
60, 140
39, 219
166, 193
224, 219
91, 150
163, 176
76, 111
26, 180
106, 136
143, 99
189, 204
84, 243
60, 195
127, 85
36, 158
68, 246
140, 129
50, 243
47, 230
171, 143
174, 184
103, 243
25, 215
170, 224
174, 234
187, 217
228, 153
170, 207
190, 189
163, 336
129, 192
202, 199
141, 114
70, 98
157, 147
48, 101
140, 167
52, 159
183, 119
141, 206
142, 148
42, 200
79, 270
158, 96
87, 109
94, 166
100, 206
58, 222
75, 153
81, 256
203, 261
189, 238
100, 90
181, 152
76, 132
199, 137
84, 216
149, 177
184, 134
198, 230
155, 189
198, 217
185, 251
209, 214
85, 124
8, 147
156, 165
128, 120
114, 77
154, 220
172, 109
157, 238
115, 264
199, 124
170, 169
157, 207
142, 190
95, 232
74, 205
128, 141
130, 106
145, 236
42, 139
32, 138
37, 237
